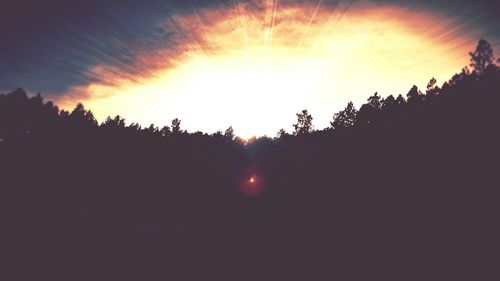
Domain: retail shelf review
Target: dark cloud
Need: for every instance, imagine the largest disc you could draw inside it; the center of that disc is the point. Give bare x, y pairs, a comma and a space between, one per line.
52, 45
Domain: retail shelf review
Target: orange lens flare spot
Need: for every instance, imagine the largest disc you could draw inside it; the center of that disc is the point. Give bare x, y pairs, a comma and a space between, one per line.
252, 182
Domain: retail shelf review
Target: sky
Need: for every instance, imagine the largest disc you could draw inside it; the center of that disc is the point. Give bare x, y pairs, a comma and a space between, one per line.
248, 64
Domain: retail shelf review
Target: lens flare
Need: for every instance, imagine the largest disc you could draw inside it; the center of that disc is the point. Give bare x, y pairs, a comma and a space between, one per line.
252, 182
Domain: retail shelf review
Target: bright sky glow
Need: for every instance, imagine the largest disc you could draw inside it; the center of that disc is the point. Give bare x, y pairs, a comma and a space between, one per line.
254, 71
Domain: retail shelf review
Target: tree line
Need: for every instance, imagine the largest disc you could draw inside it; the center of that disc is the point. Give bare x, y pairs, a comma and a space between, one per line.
482, 63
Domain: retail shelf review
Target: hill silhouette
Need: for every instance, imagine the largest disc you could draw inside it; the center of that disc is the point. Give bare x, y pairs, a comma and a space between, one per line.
406, 188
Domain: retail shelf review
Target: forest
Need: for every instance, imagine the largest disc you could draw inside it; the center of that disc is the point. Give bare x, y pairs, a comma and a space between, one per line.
404, 188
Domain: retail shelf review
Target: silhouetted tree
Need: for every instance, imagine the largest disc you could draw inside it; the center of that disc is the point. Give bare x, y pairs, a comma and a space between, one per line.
400, 100
414, 94
458, 77
304, 123
116, 122
431, 87
281, 133
345, 118
374, 101
368, 112
64, 114
136, 127
217, 134
165, 131
81, 117
482, 57
153, 130
176, 127
388, 103
37, 100
229, 133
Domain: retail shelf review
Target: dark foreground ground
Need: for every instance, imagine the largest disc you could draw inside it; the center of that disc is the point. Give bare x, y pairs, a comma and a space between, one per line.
411, 192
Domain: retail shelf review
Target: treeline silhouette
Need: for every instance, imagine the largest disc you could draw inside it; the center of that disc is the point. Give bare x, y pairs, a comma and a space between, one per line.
406, 188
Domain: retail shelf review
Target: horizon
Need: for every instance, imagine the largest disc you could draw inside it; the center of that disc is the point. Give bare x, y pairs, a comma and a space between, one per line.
245, 140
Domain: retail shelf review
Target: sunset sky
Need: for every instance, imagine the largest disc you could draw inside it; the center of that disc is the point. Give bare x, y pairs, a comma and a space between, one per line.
250, 64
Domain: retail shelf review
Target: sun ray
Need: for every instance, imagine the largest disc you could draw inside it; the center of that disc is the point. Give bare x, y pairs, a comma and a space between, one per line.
426, 32
270, 6
201, 48
180, 28
267, 20
318, 6
242, 25
339, 18
447, 27
203, 27
184, 31
273, 18
327, 22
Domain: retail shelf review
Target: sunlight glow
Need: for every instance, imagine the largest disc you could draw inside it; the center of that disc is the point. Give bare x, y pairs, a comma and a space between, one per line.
255, 70
253, 183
